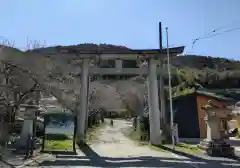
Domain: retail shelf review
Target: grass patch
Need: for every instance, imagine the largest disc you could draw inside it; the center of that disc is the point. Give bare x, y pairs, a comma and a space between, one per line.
238, 134
156, 148
65, 145
61, 142
182, 147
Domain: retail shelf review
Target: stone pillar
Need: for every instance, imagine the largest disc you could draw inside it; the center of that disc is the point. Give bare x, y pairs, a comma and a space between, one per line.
238, 122
82, 113
27, 128
214, 145
153, 101
213, 128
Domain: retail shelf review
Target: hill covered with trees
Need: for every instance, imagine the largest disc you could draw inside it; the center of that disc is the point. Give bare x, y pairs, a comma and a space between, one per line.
192, 71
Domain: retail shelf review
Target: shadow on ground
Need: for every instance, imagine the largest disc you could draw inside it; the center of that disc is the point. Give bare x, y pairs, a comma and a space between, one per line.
91, 158
3, 163
195, 157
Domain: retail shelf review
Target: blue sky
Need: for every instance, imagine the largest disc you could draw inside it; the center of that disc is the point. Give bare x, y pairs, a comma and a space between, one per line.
132, 23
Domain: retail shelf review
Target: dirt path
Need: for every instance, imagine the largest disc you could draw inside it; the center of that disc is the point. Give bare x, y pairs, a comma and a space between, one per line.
113, 149
112, 143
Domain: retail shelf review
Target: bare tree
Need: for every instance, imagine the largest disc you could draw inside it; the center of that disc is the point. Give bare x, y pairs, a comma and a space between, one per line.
17, 87
53, 71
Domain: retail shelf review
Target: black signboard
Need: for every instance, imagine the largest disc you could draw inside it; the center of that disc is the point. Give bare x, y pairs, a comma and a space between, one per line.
59, 132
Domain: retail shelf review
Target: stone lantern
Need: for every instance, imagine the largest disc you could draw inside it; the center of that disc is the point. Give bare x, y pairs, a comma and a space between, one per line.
214, 144
28, 125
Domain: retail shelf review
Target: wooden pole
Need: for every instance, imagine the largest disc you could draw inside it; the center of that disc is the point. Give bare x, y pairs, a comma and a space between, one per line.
160, 36
163, 115
161, 84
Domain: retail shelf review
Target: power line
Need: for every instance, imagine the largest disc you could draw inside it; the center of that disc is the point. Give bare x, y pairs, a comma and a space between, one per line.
221, 27
210, 34
214, 32
226, 31
213, 35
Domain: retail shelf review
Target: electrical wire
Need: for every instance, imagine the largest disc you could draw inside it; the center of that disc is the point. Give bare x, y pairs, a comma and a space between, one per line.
211, 33
221, 27
214, 32
210, 36
226, 31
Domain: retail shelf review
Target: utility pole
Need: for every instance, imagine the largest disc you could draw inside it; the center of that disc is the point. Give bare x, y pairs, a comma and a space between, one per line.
170, 90
160, 36
161, 89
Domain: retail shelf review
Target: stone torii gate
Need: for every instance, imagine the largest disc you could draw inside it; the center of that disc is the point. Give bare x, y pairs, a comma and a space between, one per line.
153, 57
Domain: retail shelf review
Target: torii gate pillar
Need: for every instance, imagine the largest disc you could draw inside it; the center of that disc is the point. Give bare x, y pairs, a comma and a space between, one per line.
153, 101
82, 113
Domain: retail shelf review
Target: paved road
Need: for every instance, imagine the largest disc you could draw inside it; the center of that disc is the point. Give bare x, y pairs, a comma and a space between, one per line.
113, 149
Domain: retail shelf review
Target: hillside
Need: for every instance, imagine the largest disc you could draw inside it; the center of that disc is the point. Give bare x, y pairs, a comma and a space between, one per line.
201, 62
81, 47
193, 71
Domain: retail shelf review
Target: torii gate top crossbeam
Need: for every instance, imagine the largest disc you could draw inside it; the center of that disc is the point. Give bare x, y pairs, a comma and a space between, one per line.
127, 54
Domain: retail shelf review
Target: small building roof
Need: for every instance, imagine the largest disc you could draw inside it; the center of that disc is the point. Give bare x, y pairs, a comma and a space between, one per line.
209, 94
213, 95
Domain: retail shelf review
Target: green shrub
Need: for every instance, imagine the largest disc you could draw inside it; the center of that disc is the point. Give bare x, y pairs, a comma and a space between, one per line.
238, 135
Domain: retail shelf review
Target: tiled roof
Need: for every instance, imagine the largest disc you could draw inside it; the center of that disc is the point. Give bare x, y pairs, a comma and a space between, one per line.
207, 93
215, 95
